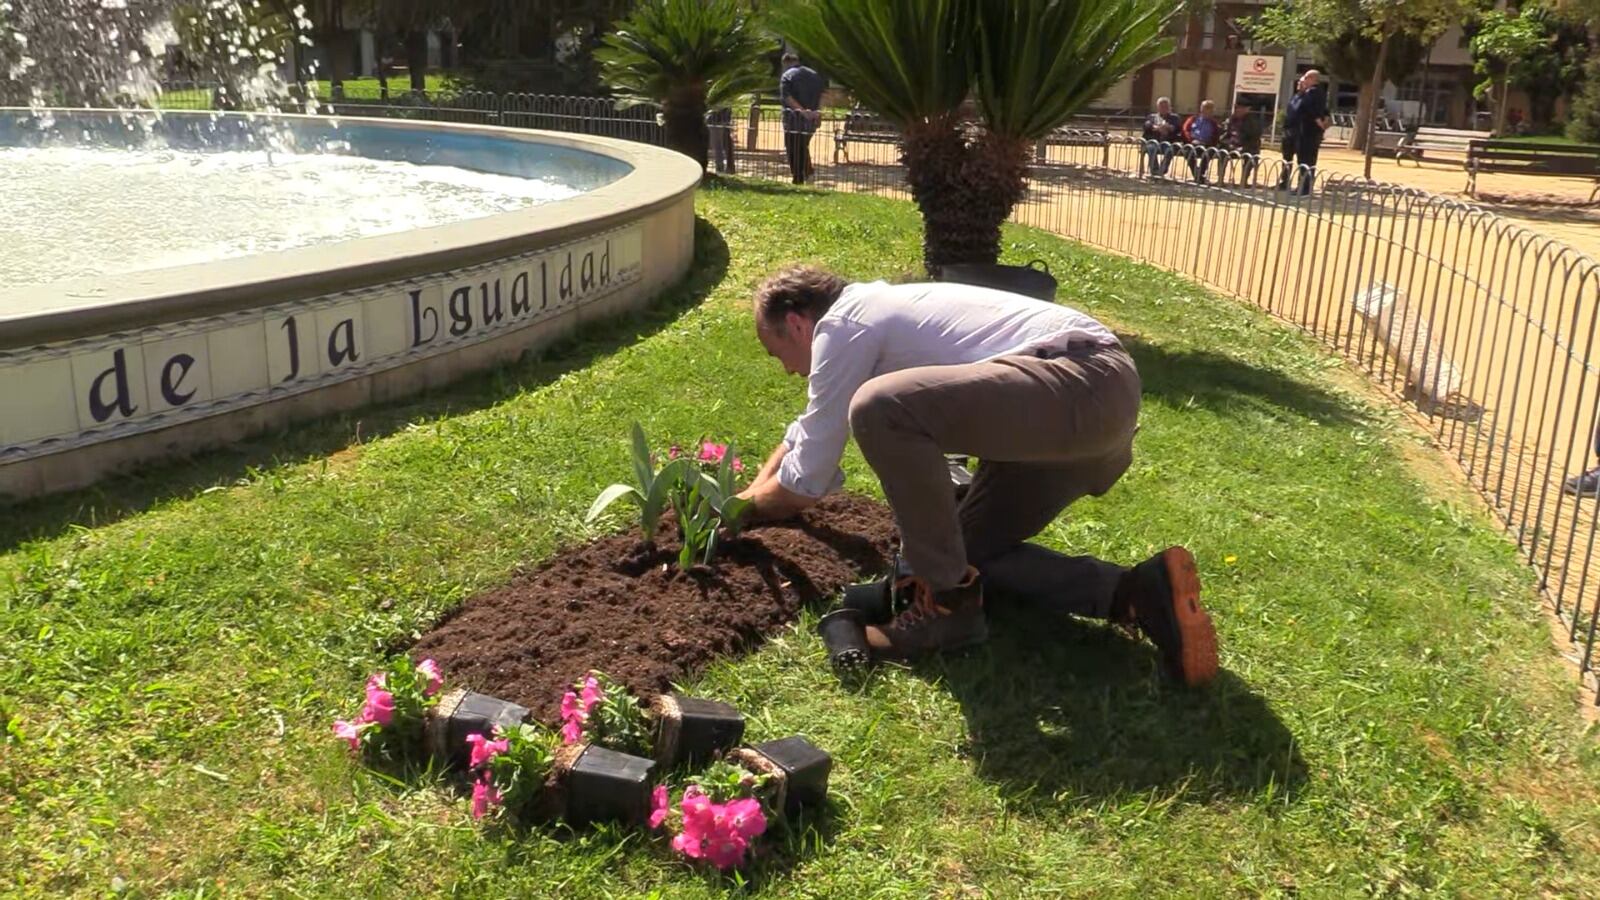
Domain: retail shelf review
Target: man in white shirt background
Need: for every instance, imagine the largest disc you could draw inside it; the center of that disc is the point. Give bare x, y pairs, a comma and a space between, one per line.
1046, 399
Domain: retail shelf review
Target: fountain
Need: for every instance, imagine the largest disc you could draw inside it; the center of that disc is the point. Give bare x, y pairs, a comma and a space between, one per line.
177, 281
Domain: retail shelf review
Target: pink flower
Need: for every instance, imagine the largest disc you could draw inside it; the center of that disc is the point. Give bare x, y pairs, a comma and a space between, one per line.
483, 796
691, 847
429, 670
745, 818
377, 680
484, 749
591, 694
737, 465
349, 731
572, 732
380, 704
569, 706
699, 813
726, 850
674, 452
660, 805
712, 453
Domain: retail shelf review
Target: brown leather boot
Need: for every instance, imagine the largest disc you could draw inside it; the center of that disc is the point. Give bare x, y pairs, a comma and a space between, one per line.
934, 622
1161, 598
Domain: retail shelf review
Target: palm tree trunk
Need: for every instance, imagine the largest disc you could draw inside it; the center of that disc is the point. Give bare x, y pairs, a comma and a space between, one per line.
684, 115
964, 190
935, 154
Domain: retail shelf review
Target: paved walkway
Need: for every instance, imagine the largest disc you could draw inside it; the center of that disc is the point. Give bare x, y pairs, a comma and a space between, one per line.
1547, 205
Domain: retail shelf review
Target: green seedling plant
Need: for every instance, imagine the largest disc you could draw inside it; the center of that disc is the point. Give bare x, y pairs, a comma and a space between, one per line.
652, 490
697, 521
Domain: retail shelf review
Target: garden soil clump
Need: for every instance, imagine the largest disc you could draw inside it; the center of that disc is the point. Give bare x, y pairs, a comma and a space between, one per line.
624, 608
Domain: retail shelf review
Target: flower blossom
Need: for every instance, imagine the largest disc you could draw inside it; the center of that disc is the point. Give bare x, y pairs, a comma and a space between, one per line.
483, 796
712, 453
737, 465
380, 703
484, 749
659, 806
433, 679
349, 731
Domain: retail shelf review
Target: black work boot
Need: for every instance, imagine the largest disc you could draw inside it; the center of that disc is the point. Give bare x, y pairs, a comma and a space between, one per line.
1585, 485
934, 622
1161, 596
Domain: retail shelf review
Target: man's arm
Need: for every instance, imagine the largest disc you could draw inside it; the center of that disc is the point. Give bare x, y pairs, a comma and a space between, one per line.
786, 93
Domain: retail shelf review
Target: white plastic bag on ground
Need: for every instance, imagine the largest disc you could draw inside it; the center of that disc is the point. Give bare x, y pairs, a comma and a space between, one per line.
1404, 335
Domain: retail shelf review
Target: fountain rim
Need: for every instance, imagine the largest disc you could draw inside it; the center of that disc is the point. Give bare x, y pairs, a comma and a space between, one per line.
41, 313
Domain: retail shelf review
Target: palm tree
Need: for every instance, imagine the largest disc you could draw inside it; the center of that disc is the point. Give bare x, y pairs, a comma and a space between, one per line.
676, 52
1031, 64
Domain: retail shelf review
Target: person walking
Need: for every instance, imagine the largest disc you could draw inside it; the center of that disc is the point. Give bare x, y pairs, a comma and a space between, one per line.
800, 91
1044, 396
1201, 134
1162, 129
1241, 138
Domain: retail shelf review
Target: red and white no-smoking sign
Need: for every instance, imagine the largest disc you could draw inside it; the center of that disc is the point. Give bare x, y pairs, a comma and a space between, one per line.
1257, 74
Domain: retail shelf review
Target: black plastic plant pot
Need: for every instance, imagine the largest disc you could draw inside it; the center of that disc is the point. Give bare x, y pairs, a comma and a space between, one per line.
798, 767
691, 730
460, 713
960, 478
844, 634
606, 786
870, 602
1032, 280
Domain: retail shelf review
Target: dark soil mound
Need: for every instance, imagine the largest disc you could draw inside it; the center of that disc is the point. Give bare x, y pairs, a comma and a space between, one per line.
624, 608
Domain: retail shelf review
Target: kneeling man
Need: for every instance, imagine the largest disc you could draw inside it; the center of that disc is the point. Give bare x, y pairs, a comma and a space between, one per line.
1043, 396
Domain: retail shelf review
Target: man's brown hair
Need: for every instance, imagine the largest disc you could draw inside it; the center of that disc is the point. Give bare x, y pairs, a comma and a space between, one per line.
807, 290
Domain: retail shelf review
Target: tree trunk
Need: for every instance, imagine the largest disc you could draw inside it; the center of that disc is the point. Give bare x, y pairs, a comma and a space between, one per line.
1425, 107
417, 60
1499, 129
1377, 91
684, 113
1366, 111
964, 191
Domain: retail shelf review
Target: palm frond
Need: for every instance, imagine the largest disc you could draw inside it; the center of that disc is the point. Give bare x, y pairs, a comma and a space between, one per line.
1041, 61
907, 60
667, 47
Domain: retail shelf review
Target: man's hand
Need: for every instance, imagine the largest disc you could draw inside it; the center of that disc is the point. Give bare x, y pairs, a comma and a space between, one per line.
769, 499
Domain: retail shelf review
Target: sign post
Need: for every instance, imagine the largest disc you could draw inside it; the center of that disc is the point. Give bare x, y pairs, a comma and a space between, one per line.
1259, 77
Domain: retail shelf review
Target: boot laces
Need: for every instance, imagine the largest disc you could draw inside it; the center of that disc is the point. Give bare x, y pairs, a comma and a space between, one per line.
922, 606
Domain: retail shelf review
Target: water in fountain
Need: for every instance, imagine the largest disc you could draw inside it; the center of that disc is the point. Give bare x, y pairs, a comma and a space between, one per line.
124, 204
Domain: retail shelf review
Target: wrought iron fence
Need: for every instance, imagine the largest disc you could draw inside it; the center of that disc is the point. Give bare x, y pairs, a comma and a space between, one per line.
1484, 329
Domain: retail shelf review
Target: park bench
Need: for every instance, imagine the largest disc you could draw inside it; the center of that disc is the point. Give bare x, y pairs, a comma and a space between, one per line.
1432, 143
862, 127
1074, 137
1529, 158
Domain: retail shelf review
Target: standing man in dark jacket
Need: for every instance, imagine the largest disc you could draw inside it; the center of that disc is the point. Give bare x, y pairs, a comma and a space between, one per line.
1305, 121
800, 92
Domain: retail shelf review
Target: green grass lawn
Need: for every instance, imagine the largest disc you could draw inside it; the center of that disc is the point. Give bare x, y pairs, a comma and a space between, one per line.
1391, 719
354, 88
